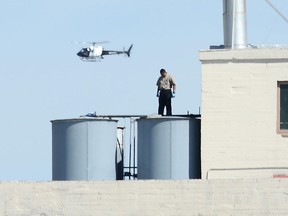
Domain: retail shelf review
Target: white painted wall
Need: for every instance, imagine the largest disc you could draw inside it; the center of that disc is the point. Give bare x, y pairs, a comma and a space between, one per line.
239, 110
257, 197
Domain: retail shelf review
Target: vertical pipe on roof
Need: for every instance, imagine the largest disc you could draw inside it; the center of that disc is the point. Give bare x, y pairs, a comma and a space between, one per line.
234, 24
227, 22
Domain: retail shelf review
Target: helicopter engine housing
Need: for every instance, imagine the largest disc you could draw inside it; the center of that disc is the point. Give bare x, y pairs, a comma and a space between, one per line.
95, 51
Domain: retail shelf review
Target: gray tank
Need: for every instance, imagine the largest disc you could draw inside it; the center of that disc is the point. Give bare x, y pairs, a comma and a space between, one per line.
169, 148
84, 149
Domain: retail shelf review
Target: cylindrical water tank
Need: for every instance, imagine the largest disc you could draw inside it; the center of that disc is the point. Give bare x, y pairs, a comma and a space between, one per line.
84, 149
168, 148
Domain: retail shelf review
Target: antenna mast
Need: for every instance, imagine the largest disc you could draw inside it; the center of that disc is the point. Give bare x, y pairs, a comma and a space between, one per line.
278, 11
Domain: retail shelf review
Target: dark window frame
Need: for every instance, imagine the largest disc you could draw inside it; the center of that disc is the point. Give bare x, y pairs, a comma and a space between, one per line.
279, 129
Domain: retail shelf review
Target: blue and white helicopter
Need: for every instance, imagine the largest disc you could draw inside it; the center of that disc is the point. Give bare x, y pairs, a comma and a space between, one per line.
95, 52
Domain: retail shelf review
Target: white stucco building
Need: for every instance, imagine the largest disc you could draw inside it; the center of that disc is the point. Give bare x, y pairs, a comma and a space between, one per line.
241, 135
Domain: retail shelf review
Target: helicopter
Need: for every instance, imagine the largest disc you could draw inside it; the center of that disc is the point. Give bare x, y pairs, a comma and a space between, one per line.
96, 52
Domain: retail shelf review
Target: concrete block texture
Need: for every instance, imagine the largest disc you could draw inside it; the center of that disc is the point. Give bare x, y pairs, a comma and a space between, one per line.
147, 198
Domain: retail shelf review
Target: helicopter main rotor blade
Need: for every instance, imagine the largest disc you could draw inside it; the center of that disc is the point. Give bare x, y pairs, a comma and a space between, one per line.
92, 43
100, 42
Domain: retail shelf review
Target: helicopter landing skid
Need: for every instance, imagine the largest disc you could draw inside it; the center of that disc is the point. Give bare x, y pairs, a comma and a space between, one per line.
92, 59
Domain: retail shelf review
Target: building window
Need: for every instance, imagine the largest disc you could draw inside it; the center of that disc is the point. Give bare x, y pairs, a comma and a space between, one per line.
282, 120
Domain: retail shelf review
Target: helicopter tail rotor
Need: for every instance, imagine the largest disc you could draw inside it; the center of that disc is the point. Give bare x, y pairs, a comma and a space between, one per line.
129, 50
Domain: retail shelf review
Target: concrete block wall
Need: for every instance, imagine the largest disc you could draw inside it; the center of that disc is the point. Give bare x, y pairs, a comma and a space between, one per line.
239, 110
257, 197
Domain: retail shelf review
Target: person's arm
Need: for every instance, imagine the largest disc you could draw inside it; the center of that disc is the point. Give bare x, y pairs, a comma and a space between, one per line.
174, 88
173, 84
158, 89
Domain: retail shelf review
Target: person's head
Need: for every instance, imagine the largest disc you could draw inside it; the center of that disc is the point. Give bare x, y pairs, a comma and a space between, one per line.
163, 72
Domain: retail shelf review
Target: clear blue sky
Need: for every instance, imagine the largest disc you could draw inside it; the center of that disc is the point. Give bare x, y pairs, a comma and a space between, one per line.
42, 79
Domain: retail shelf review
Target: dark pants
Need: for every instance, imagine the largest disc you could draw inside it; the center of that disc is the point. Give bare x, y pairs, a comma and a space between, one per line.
165, 101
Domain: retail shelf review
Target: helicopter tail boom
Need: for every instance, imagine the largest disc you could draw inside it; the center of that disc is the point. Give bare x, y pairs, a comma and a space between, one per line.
111, 52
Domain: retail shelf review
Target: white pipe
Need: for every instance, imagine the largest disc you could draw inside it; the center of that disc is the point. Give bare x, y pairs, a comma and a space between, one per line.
234, 24
239, 25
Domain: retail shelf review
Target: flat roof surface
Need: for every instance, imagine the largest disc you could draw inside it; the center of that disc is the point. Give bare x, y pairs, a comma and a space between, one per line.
273, 53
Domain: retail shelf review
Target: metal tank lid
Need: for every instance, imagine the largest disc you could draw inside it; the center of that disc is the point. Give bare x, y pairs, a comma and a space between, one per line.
174, 117
81, 119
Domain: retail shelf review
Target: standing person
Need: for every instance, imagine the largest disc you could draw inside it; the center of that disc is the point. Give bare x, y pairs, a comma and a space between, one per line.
164, 85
